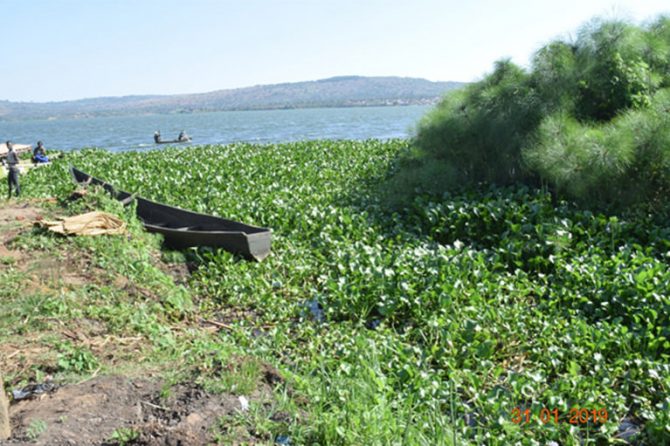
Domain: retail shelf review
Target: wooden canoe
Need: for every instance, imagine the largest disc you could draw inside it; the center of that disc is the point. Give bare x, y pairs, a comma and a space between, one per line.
174, 141
18, 148
183, 229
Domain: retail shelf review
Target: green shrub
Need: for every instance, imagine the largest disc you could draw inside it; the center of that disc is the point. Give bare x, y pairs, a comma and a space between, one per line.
590, 118
481, 129
612, 71
618, 163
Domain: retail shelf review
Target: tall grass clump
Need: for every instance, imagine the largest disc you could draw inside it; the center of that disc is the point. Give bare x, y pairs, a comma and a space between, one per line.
477, 133
618, 163
590, 118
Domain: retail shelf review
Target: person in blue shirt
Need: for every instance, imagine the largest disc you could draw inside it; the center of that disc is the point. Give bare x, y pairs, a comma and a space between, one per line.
39, 154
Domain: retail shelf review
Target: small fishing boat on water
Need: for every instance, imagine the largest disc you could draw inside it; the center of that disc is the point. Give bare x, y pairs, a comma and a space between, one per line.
182, 138
183, 229
174, 141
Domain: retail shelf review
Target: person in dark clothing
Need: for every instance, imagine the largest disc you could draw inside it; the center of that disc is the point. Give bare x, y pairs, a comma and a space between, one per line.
157, 136
182, 136
39, 154
13, 174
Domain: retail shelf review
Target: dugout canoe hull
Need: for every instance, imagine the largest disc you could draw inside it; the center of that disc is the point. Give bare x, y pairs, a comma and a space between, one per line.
173, 141
18, 148
182, 228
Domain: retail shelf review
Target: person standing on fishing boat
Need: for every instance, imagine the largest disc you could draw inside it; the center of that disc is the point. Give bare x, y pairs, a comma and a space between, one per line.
13, 174
157, 136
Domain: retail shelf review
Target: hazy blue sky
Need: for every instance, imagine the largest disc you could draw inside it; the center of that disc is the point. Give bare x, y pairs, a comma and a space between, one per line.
70, 49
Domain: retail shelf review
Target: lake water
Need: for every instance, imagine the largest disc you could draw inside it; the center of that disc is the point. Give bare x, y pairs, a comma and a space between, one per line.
264, 126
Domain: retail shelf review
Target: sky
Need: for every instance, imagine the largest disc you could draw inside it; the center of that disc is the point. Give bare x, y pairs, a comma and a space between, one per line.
54, 50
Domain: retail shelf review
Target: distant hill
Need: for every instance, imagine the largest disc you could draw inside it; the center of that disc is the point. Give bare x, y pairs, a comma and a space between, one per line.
343, 91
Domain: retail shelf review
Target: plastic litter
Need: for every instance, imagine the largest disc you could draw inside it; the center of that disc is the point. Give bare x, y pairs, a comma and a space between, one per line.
283, 440
33, 390
315, 310
628, 429
373, 324
244, 403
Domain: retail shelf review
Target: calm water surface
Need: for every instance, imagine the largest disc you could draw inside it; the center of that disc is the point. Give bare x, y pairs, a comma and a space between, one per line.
266, 126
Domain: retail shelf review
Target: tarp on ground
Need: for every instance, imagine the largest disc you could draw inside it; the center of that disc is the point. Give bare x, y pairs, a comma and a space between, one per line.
91, 223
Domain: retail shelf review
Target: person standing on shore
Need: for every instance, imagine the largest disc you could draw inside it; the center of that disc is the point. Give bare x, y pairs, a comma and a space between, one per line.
13, 174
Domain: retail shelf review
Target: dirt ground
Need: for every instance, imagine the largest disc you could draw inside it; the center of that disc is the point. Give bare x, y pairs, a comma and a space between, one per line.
17, 216
88, 414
